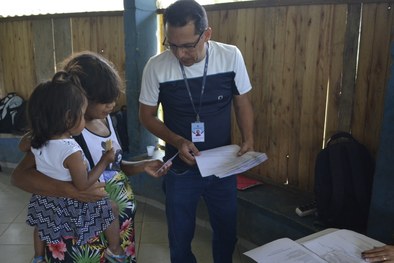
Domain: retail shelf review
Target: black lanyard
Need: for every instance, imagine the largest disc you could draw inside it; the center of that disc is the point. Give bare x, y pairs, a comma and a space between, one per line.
202, 87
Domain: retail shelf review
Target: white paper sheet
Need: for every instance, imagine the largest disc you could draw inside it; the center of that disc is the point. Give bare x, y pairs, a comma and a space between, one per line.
283, 250
342, 246
224, 161
339, 246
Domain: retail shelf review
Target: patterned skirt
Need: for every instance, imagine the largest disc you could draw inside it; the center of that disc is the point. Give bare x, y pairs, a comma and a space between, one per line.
68, 251
58, 217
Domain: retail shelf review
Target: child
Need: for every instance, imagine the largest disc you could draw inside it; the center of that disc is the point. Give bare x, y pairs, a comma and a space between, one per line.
56, 112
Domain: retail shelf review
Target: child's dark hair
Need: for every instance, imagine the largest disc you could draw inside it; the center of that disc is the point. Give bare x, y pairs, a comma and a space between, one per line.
55, 107
98, 76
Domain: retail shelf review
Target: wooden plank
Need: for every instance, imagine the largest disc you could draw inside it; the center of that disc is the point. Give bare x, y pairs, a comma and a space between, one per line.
259, 98
267, 23
335, 70
292, 99
300, 67
213, 22
313, 96
280, 98
26, 53
322, 15
110, 44
43, 49
349, 73
19, 74
62, 39
6, 54
364, 69
81, 34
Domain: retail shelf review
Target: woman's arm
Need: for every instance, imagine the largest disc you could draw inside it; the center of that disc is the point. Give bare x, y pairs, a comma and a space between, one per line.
26, 177
151, 167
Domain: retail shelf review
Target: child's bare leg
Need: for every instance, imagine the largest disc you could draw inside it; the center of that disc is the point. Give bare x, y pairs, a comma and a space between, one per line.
39, 245
112, 233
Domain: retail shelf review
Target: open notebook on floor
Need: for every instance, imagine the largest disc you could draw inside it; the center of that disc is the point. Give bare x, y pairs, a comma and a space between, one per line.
338, 246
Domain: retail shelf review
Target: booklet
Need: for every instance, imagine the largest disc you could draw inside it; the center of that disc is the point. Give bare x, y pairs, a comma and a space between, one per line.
224, 161
338, 246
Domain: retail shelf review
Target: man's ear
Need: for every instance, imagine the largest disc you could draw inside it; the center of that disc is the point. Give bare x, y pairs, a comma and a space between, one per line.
208, 34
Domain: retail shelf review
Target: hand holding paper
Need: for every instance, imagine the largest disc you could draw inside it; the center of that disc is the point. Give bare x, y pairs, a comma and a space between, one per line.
224, 161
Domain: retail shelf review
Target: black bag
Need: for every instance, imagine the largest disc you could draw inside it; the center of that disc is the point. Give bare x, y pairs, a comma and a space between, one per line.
13, 117
343, 183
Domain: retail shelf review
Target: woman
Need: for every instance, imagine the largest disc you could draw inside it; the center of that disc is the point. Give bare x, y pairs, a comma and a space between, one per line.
101, 83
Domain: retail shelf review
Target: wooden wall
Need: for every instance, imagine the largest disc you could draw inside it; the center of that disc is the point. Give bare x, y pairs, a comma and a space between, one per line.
311, 76
308, 82
32, 48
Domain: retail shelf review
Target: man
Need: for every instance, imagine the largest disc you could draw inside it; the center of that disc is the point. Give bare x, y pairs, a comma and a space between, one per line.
196, 80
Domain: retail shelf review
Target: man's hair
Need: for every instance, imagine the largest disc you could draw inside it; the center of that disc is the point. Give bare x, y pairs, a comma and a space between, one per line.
183, 11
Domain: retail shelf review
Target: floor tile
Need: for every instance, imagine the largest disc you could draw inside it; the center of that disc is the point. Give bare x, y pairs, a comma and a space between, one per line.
154, 232
154, 214
17, 234
3, 227
154, 252
21, 218
16, 254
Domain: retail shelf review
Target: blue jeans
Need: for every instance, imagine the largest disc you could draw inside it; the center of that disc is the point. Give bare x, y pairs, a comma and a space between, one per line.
183, 191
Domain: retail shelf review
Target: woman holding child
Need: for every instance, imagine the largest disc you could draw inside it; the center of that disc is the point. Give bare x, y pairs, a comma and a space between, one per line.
101, 84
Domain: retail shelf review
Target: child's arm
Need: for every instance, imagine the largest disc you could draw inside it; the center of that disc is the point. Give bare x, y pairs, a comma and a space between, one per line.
26, 177
82, 179
24, 143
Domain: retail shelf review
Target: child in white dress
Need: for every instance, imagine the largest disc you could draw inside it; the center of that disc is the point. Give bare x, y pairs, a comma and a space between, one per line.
56, 113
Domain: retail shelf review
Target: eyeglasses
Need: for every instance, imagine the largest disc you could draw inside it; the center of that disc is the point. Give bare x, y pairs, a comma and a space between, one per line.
188, 47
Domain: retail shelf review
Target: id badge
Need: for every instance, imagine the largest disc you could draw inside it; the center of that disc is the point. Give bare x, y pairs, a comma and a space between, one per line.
198, 132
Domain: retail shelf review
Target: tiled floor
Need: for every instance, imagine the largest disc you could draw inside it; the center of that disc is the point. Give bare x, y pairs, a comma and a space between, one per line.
16, 243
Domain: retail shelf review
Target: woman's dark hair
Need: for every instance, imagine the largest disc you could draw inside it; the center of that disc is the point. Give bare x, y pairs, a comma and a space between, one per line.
182, 12
98, 76
54, 108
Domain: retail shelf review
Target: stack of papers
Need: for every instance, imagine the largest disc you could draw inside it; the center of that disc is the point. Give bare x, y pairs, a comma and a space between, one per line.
224, 161
344, 246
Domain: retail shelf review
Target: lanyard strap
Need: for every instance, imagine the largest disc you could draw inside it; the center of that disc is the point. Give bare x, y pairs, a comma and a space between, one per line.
202, 87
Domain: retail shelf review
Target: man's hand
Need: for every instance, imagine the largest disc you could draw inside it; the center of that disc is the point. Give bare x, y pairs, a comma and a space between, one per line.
379, 254
245, 147
92, 194
187, 151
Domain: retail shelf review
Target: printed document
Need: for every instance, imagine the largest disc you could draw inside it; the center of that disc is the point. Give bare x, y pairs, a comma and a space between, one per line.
340, 246
224, 161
